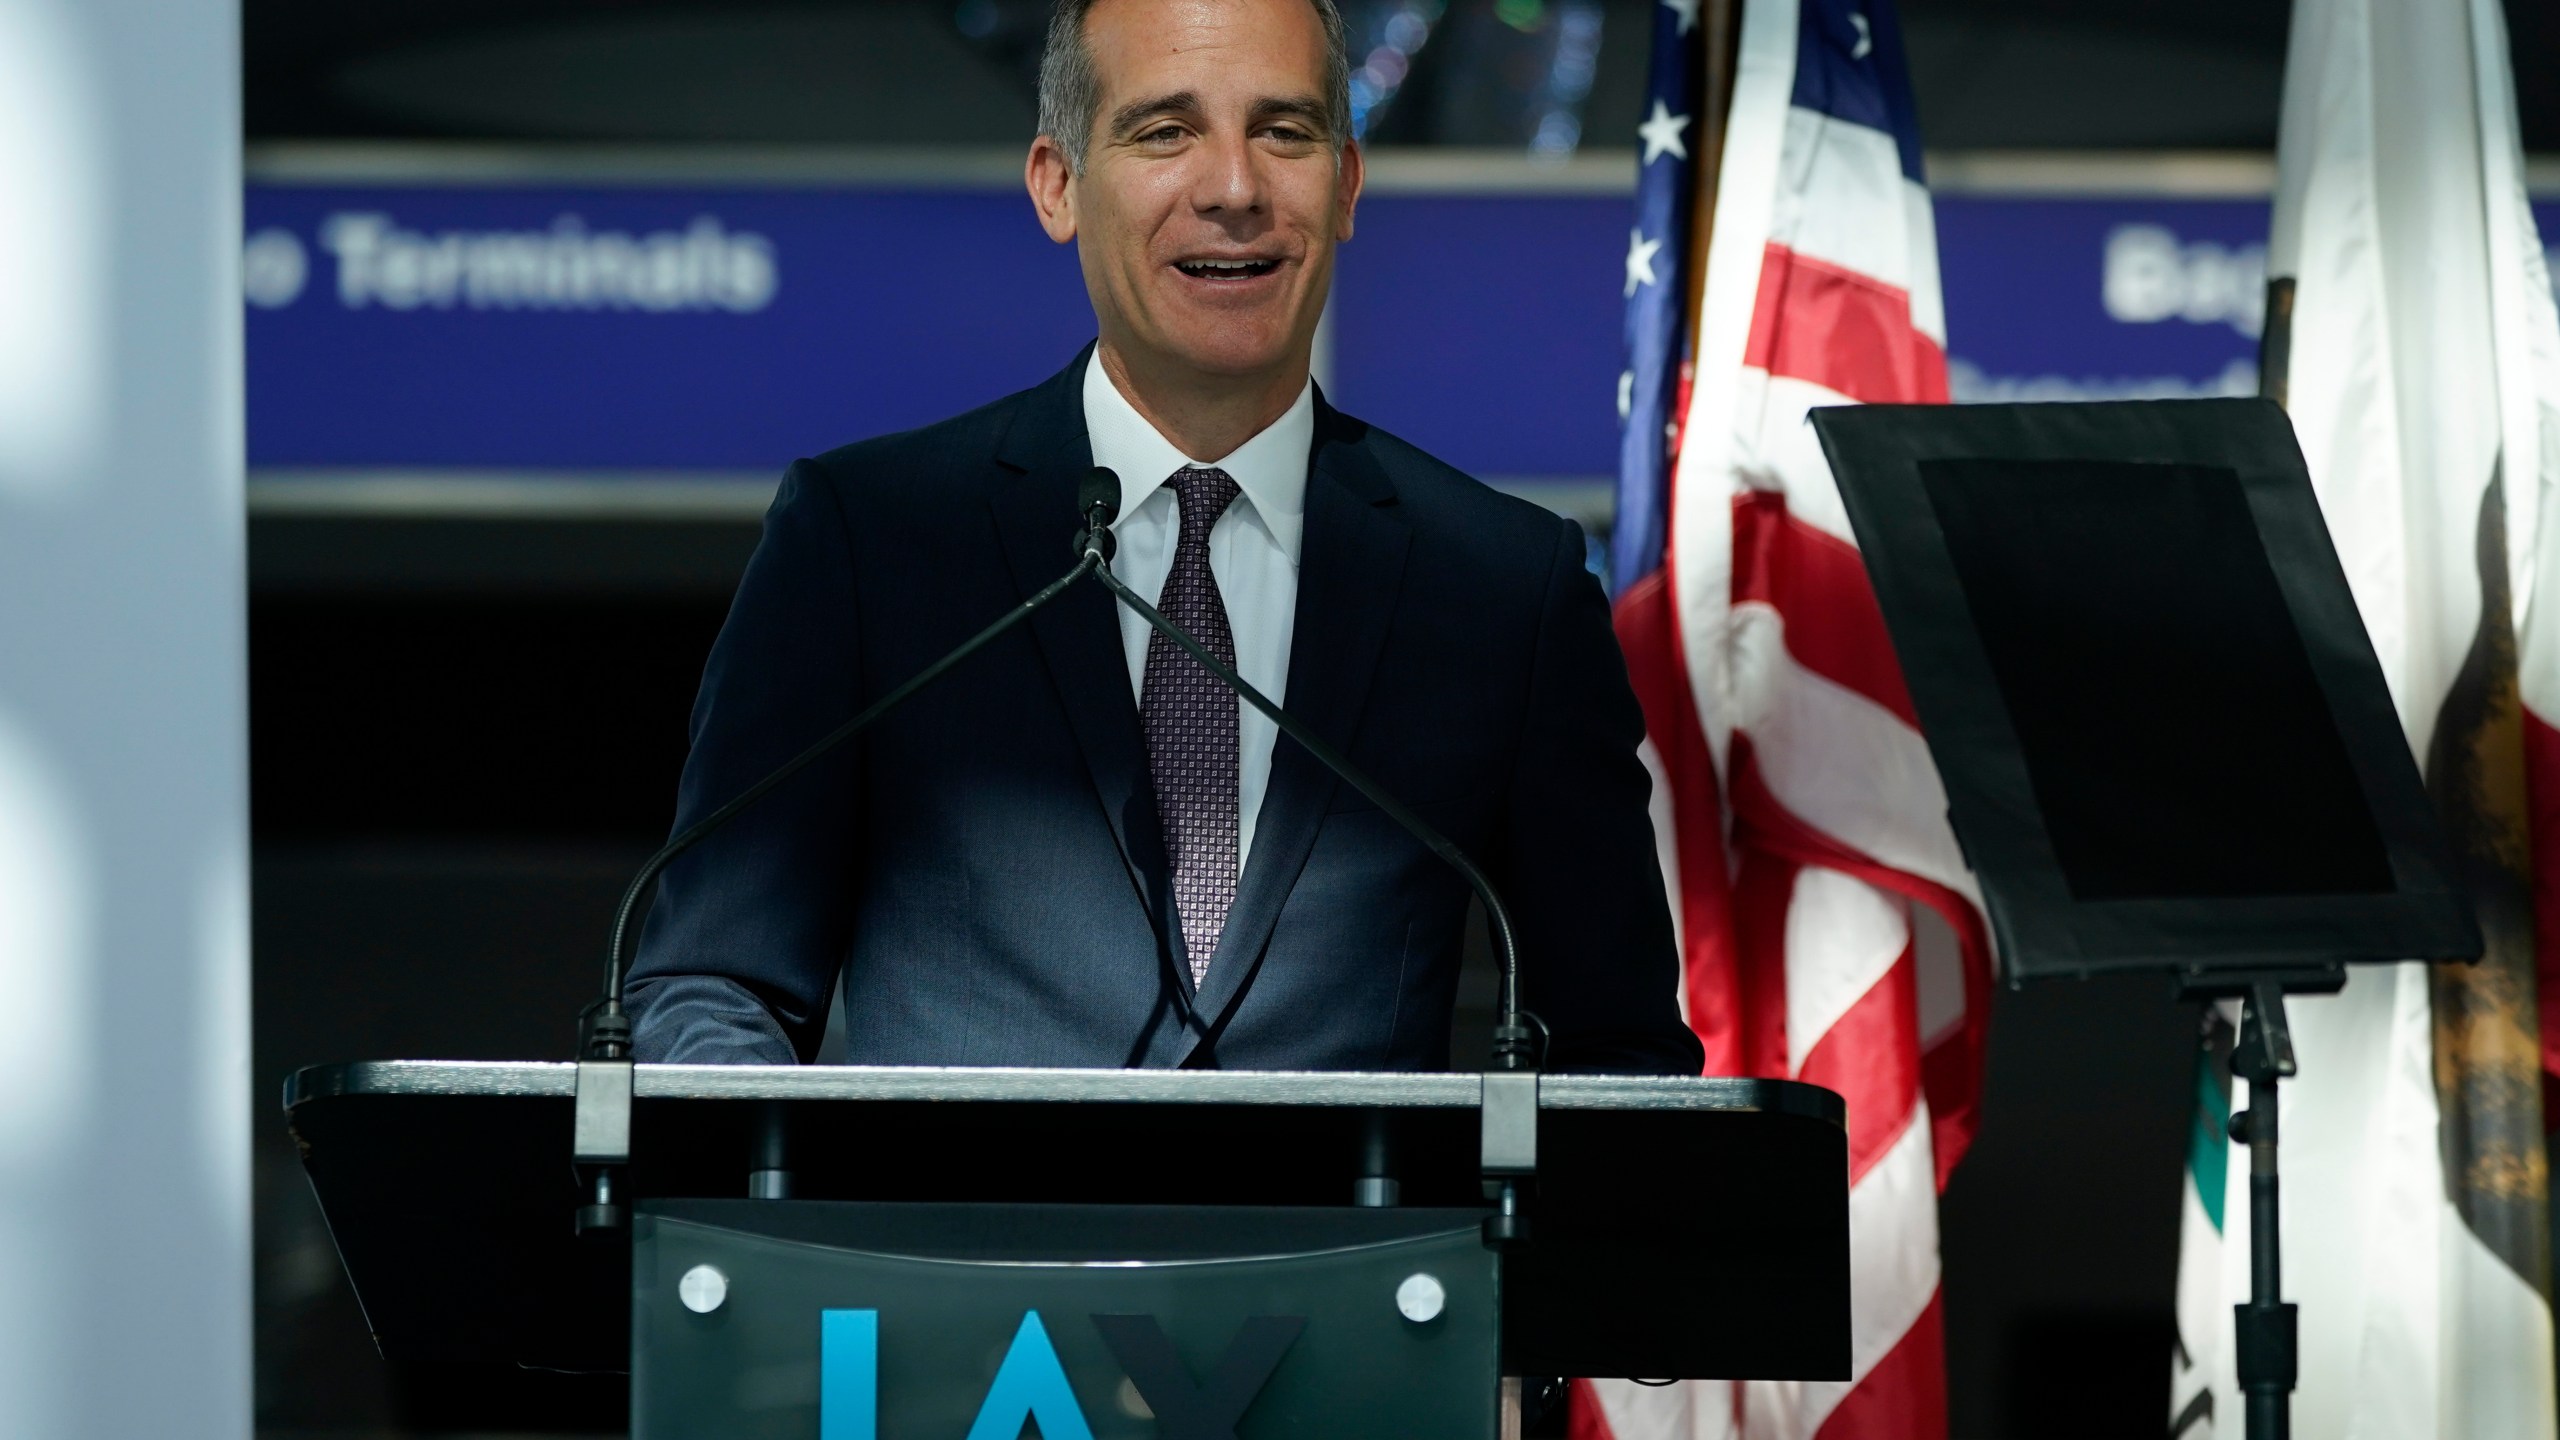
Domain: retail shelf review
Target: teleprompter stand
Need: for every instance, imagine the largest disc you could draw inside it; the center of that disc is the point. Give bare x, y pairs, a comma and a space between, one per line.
2166, 743
2264, 1328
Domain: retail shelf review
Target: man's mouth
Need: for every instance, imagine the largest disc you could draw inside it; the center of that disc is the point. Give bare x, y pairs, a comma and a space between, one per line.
1226, 269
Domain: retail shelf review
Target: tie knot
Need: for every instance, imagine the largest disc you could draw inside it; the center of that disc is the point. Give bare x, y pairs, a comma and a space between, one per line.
1205, 493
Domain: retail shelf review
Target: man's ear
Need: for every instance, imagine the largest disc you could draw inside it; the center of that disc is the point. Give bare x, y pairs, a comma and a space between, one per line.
1347, 186
1046, 174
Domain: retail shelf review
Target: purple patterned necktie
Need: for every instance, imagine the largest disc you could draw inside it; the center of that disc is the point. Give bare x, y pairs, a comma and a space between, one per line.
1190, 720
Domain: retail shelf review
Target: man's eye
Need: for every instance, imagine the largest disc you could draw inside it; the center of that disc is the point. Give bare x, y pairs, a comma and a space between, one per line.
1161, 135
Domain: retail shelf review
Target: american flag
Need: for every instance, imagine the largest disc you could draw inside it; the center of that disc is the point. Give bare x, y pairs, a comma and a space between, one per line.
1803, 826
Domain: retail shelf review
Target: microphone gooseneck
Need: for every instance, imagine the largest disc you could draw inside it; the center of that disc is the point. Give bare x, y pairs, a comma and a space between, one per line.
602, 1117
607, 1024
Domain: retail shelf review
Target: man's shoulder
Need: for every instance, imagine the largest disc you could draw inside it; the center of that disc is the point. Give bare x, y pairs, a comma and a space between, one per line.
937, 455
1443, 501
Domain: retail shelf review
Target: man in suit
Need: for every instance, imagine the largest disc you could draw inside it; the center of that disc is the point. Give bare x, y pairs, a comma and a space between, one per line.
1076, 849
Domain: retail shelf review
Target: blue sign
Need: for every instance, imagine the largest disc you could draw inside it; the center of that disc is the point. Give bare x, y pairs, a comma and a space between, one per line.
1031, 1387
641, 329
2066, 299
1487, 330
733, 328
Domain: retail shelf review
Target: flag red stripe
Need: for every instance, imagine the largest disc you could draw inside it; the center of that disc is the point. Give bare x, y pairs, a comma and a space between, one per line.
1648, 631
1905, 1396
1764, 886
1951, 1071
1846, 332
1871, 1058
1818, 583
1584, 1419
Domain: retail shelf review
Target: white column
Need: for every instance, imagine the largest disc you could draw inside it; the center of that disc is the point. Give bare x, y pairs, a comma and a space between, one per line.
124, 1103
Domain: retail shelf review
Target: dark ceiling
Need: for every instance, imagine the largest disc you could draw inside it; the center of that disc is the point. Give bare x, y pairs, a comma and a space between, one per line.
1991, 74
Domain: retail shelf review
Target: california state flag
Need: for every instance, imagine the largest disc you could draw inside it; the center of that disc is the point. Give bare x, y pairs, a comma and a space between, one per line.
2412, 338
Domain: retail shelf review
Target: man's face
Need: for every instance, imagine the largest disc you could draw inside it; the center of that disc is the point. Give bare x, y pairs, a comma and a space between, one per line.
1212, 194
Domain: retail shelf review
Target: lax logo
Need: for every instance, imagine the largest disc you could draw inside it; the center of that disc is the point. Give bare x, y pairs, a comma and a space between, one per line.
1031, 1385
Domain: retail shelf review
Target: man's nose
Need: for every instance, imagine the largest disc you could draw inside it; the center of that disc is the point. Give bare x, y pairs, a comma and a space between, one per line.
1230, 182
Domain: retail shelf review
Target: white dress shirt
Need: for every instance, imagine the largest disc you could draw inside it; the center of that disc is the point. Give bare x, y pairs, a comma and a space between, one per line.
1253, 551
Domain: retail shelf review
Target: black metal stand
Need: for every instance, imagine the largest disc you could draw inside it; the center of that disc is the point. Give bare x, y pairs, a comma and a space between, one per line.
2264, 1327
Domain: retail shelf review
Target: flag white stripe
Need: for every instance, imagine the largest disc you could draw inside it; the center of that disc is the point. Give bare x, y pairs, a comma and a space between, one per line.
1839, 761
1893, 1246
2498, 1382
1846, 193
2391, 387
2528, 328
1843, 201
2525, 325
1776, 449
1746, 193
1843, 936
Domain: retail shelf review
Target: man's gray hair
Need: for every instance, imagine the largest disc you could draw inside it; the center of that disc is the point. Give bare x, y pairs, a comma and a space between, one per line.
1070, 93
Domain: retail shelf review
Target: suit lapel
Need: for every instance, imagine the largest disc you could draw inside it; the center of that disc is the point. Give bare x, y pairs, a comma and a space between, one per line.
1350, 569
1079, 633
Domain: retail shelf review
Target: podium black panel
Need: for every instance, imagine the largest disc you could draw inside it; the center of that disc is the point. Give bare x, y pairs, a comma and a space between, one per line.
1683, 1227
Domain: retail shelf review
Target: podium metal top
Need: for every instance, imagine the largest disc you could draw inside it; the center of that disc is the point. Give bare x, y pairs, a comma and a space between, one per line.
1335, 1089
1681, 1226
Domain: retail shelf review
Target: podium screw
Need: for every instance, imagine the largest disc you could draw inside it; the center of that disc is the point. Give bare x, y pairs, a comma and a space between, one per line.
702, 1289
1421, 1298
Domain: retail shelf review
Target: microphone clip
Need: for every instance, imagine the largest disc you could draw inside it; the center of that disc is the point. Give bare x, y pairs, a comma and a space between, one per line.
1095, 542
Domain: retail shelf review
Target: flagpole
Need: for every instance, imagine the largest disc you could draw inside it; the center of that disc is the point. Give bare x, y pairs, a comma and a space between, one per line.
1719, 44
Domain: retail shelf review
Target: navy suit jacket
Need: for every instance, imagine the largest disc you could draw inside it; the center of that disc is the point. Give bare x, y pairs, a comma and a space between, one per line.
983, 869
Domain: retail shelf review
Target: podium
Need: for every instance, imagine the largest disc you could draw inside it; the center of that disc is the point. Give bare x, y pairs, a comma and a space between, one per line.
847, 1253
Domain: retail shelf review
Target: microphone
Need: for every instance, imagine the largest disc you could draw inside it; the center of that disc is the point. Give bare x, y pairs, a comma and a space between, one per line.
1097, 504
1510, 1119
602, 1144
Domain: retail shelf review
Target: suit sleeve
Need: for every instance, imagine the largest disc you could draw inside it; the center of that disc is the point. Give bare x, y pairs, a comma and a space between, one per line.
749, 929
1579, 864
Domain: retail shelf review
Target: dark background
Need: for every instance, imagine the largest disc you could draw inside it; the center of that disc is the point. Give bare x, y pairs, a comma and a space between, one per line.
466, 729
1990, 74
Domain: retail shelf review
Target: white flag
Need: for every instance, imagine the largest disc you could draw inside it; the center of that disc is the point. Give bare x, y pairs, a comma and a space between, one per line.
2418, 367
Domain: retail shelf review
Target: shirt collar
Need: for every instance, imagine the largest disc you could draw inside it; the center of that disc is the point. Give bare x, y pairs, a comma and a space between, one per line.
1270, 468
